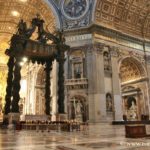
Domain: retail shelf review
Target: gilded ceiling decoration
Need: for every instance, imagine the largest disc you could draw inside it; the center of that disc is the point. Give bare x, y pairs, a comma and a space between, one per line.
131, 70
11, 11
128, 16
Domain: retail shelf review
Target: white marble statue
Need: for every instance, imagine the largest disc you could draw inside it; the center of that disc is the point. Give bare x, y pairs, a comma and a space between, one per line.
132, 111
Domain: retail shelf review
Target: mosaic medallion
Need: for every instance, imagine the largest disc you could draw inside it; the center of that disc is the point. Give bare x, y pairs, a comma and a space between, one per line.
75, 9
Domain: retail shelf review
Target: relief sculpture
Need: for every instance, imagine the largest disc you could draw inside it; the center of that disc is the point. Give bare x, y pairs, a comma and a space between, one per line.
74, 8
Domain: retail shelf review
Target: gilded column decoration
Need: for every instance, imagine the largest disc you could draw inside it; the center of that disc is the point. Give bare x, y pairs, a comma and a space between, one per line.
10, 65
47, 87
16, 87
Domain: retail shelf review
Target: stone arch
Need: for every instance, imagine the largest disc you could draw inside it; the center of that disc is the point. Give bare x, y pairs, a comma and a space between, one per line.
131, 69
93, 12
55, 11
132, 76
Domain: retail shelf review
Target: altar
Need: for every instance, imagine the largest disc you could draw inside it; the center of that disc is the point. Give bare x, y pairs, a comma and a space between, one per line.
35, 118
135, 131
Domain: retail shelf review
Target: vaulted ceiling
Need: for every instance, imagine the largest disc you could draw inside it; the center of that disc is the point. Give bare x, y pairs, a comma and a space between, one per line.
11, 11
131, 70
128, 16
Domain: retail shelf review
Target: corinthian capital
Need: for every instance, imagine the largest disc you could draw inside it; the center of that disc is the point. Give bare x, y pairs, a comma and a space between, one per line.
114, 51
99, 47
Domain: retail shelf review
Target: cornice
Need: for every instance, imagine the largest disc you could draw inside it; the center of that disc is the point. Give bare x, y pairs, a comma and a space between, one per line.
104, 31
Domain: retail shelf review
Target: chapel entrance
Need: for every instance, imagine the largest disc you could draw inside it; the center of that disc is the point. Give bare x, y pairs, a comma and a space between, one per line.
134, 89
132, 103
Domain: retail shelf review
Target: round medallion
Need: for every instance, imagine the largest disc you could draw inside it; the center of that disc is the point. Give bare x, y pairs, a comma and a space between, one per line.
74, 9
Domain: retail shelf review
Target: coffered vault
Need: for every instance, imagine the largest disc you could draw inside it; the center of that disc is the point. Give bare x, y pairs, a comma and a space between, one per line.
127, 16
130, 17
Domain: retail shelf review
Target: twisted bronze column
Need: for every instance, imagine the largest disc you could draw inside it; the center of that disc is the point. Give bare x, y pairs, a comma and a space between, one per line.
10, 65
61, 95
16, 87
48, 69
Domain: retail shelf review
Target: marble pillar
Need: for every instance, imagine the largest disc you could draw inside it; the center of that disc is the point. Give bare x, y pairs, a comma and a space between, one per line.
118, 109
96, 87
54, 88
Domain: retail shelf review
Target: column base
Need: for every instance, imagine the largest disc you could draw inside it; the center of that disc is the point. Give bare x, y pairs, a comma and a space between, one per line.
61, 117
78, 118
5, 119
14, 118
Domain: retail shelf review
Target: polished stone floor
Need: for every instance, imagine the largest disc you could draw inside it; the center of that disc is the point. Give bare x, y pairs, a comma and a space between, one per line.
98, 137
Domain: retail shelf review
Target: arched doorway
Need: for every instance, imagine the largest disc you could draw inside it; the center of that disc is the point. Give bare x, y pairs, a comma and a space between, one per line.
78, 109
40, 91
134, 86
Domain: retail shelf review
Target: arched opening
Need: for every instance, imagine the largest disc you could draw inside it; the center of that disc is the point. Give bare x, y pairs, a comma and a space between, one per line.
131, 70
133, 83
76, 64
40, 91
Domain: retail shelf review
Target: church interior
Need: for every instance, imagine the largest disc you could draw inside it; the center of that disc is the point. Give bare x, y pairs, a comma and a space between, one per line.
74, 74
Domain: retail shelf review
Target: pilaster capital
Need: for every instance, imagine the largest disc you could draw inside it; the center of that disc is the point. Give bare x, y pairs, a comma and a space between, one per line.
89, 48
114, 51
99, 48
147, 59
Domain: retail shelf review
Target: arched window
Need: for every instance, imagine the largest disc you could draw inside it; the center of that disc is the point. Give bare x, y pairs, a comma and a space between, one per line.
77, 64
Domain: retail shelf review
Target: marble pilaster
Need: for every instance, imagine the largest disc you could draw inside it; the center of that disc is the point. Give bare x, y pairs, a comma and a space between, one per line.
118, 111
54, 90
96, 90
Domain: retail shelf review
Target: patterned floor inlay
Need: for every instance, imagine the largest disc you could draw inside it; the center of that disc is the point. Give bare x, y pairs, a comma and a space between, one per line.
100, 145
98, 137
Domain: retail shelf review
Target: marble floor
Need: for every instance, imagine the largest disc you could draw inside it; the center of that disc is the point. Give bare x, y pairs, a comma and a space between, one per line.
98, 137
